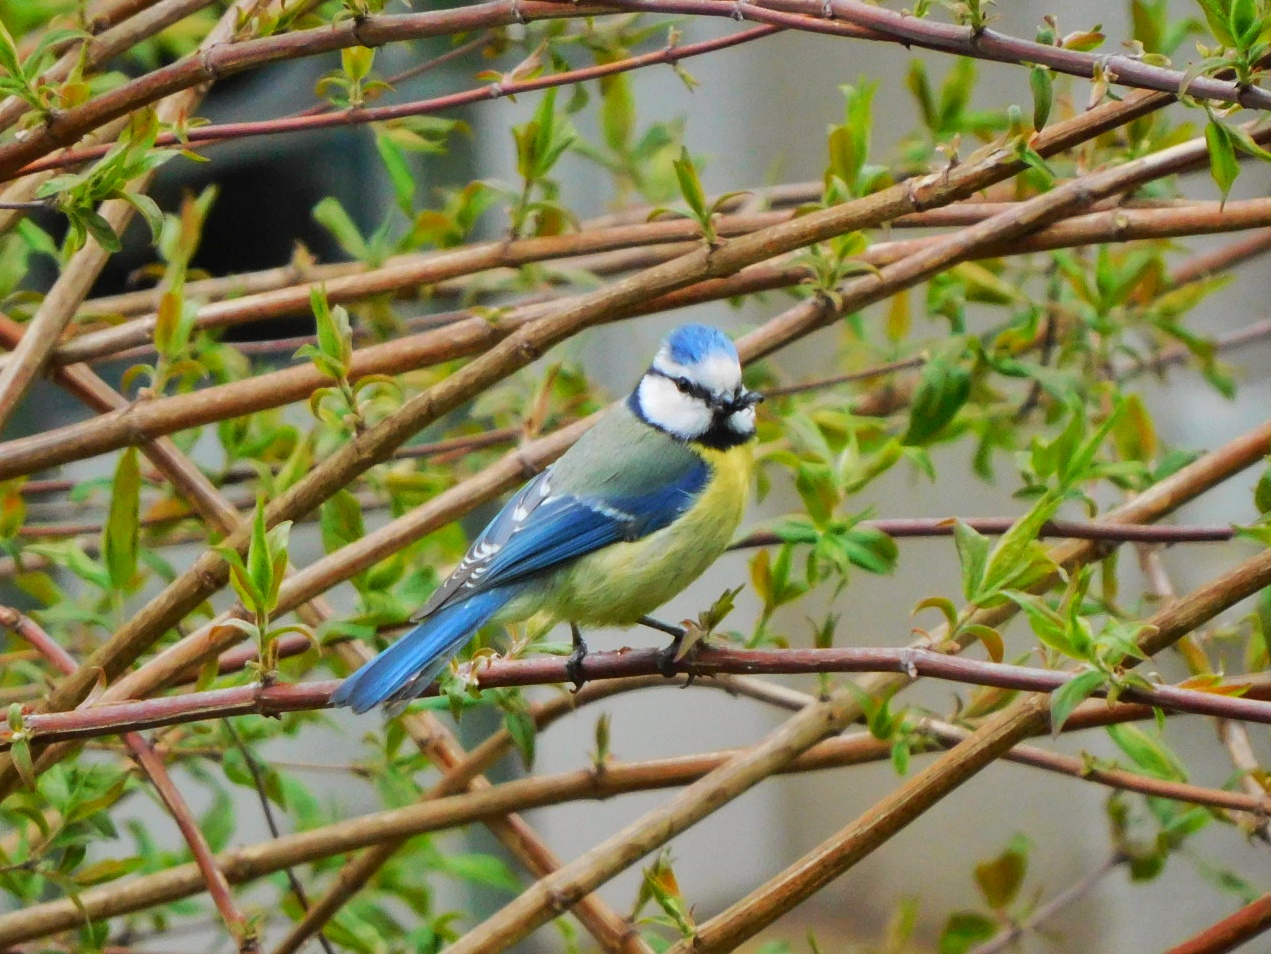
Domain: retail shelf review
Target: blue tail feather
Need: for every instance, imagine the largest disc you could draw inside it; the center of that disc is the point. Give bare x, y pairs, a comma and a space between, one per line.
405, 669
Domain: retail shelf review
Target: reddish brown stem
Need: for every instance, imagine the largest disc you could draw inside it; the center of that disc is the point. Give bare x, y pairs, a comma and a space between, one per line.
551, 670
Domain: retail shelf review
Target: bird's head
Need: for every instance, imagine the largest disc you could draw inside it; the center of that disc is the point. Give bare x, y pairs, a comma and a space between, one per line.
693, 390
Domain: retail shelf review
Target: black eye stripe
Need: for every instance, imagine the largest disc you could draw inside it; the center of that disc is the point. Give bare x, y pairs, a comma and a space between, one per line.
684, 385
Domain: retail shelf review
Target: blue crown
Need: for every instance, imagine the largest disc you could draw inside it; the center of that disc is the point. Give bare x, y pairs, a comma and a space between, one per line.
692, 344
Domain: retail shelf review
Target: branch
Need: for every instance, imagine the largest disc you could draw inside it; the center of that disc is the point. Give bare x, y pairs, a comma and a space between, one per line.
258, 782
362, 115
1253, 920
551, 670
226, 59
902, 527
210, 571
281, 292
613, 933
160, 416
611, 779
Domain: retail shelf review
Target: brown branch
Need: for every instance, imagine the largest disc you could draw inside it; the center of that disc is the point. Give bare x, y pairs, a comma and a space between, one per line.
374, 445
218, 62
903, 527
613, 933
1224, 258
911, 661
1253, 920
851, 18
150, 763
159, 416
361, 115
280, 292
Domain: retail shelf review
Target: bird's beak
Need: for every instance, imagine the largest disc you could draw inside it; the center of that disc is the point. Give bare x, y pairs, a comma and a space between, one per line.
741, 400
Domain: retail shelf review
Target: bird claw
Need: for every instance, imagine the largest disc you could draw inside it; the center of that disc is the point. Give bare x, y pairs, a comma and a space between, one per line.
668, 662
574, 664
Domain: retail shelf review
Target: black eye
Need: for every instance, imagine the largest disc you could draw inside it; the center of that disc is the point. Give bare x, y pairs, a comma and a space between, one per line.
683, 385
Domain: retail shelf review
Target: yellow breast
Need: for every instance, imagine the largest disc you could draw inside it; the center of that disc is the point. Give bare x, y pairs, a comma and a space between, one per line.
619, 584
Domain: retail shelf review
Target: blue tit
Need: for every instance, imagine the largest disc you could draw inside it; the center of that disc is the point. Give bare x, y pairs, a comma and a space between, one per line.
631, 514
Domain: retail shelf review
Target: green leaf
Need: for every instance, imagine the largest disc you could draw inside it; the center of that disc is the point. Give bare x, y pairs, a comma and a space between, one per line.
691, 186
1223, 166
973, 554
942, 390
1039, 79
399, 172
617, 110
98, 228
964, 930
941, 603
870, 549
1263, 611
332, 216
1016, 551
106, 870
357, 61
481, 869
259, 565
20, 753
999, 880
341, 521
119, 535
523, 731
1150, 755
1071, 694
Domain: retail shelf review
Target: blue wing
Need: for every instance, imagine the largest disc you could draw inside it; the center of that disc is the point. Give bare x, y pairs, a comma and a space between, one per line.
537, 531
534, 533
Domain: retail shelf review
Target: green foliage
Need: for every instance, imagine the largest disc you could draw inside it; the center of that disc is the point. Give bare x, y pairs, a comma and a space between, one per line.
77, 195
1024, 371
540, 143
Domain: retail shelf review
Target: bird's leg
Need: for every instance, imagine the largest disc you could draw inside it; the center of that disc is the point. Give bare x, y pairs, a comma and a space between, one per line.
574, 664
667, 656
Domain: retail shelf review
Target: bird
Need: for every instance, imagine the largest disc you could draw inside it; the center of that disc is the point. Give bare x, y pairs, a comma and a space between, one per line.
624, 520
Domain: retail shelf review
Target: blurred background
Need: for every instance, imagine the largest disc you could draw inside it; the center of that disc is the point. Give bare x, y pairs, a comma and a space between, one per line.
759, 116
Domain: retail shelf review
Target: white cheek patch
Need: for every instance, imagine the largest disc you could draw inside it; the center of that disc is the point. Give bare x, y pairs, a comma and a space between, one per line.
743, 421
665, 407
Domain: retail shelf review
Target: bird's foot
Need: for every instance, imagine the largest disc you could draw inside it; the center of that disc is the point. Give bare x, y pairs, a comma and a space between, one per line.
574, 664
669, 659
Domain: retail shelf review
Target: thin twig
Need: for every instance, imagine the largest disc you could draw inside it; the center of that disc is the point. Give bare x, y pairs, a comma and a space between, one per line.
258, 780
1073, 893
